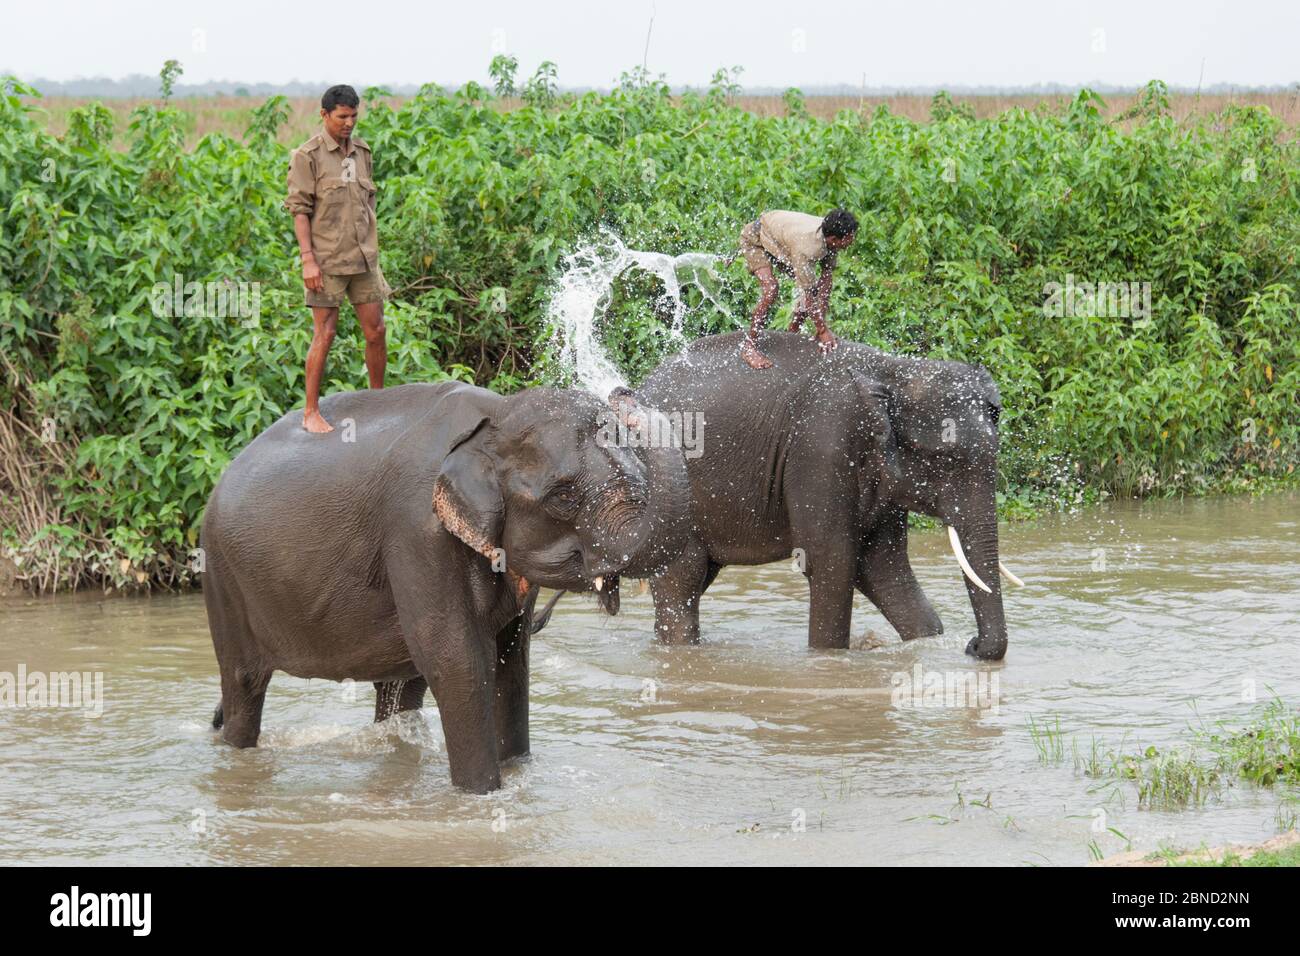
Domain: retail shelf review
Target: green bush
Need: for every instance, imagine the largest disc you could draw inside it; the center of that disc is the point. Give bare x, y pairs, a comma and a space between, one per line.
965, 223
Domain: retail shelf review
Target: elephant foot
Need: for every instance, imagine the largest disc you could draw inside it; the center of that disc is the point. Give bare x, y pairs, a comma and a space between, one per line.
928, 631
515, 757
677, 642
240, 737
839, 642
987, 649
479, 782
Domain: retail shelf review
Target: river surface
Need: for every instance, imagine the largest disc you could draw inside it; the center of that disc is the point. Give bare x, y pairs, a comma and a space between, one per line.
1137, 621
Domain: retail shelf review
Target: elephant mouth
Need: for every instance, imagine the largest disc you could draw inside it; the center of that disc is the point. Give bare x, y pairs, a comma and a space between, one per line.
574, 574
605, 588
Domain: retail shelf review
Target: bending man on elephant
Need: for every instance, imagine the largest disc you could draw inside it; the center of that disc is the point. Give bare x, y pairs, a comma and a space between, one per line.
794, 243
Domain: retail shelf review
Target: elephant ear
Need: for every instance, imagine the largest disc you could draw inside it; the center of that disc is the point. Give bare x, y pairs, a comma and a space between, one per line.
467, 495
879, 426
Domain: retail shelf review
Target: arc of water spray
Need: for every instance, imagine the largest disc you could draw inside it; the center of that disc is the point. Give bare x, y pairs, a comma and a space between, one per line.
583, 289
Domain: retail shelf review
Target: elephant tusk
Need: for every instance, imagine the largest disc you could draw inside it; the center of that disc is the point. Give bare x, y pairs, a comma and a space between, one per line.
599, 582
1009, 576
966, 569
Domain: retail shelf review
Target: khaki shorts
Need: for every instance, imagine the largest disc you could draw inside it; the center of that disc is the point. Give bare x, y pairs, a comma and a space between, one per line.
756, 257
360, 288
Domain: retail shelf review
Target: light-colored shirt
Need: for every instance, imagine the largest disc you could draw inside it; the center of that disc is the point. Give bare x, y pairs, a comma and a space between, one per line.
338, 192
796, 239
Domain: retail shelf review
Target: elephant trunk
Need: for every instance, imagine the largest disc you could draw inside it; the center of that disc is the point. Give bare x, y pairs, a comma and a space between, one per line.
647, 545
975, 539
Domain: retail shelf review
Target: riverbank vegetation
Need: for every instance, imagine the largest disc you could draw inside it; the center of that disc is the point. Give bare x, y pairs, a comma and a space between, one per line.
1129, 278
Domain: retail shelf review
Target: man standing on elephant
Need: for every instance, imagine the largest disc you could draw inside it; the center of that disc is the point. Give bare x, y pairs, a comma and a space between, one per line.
793, 242
332, 200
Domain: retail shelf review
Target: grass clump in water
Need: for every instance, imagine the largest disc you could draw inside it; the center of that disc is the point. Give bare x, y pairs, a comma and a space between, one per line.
1048, 740
1169, 780
1267, 752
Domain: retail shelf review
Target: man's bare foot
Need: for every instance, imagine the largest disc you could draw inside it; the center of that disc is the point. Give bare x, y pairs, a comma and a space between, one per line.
826, 339
752, 356
314, 423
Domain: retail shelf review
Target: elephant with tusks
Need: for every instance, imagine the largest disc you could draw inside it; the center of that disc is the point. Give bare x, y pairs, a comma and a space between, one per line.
822, 457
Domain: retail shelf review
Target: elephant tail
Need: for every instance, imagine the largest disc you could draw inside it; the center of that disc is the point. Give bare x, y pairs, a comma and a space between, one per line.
218, 717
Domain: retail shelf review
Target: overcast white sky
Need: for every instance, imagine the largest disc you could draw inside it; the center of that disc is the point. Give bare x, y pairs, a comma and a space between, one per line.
924, 42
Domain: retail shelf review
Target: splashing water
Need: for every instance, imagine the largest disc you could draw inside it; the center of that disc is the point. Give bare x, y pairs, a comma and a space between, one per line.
583, 289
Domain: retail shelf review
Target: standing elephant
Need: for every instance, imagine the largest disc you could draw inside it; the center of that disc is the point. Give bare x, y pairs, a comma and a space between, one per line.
822, 456
407, 548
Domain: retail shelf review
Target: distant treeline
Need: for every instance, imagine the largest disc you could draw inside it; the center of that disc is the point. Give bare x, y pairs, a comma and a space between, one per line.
141, 85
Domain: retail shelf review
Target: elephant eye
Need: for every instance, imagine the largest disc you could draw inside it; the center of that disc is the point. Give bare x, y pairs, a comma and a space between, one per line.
563, 502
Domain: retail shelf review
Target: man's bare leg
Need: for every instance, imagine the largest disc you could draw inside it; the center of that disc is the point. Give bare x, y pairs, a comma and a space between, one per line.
371, 317
325, 321
749, 352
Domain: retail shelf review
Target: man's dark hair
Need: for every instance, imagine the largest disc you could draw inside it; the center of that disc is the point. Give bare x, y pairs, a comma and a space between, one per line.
341, 95
839, 222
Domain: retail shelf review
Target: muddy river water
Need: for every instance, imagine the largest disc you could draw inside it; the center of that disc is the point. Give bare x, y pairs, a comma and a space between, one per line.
1137, 621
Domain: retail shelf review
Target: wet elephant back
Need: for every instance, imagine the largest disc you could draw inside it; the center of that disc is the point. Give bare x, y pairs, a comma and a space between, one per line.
750, 418
736, 482
297, 525
373, 431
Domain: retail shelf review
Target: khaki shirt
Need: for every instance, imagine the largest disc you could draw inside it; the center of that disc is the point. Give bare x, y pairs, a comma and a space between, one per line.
338, 193
796, 239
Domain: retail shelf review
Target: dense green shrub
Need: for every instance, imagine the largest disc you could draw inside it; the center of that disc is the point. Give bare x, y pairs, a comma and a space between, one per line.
965, 223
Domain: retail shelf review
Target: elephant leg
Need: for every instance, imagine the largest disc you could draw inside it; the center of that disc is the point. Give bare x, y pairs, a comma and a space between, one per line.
512, 687
826, 535
243, 691
885, 576
243, 675
448, 645
395, 696
676, 595
831, 573
820, 490
460, 672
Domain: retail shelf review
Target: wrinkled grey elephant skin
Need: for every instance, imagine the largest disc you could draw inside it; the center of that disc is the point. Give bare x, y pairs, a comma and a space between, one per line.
407, 548
821, 457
